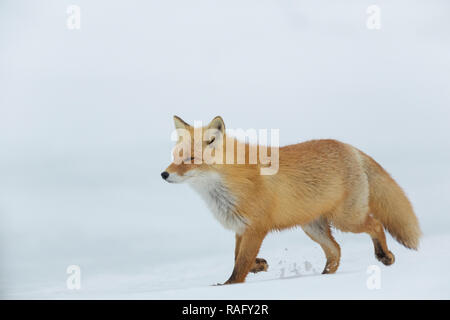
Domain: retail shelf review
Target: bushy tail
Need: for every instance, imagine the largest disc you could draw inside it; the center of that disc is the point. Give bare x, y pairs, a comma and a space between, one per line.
389, 204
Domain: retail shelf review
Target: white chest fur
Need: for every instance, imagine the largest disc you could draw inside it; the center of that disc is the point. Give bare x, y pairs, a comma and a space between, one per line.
219, 200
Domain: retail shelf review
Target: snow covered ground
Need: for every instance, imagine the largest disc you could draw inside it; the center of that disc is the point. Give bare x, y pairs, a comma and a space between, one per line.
127, 250
86, 118
294, 273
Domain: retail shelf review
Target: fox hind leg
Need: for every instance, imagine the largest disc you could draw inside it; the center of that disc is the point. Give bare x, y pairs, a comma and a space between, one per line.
375, 229
319, 230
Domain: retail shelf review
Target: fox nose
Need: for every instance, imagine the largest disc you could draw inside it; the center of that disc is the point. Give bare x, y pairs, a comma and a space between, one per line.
165, 175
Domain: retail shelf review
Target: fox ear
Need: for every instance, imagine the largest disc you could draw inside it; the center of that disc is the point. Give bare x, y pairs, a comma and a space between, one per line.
179, 123
217, 124
215, 131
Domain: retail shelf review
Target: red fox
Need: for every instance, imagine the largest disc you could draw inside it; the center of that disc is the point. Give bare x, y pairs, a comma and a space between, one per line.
319, 184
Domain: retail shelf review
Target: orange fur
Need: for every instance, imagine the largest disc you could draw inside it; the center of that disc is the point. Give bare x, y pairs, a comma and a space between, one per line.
319, 183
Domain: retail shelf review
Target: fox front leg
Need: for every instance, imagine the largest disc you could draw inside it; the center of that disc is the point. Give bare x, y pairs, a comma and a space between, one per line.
259, 265
249, 243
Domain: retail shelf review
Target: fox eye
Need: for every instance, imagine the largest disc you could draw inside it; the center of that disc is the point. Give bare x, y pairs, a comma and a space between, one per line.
188, 159
212, 140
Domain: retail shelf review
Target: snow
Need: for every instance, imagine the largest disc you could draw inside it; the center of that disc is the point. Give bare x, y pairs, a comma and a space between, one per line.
128, 250
295, 265
86, 119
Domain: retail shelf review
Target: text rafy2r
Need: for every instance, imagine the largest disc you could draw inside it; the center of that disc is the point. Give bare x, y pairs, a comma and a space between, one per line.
254, 189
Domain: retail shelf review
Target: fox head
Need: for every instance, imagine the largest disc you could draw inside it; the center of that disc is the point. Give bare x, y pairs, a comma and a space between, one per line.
196, 150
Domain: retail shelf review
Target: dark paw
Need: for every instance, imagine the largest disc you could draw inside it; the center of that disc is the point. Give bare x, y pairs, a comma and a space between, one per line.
330, 267
259, 265
386, 259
